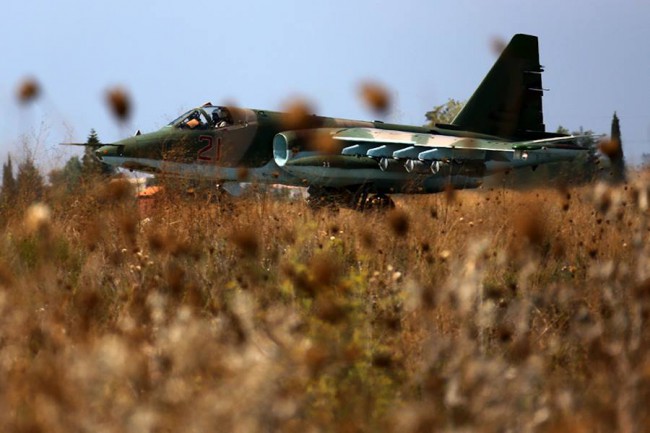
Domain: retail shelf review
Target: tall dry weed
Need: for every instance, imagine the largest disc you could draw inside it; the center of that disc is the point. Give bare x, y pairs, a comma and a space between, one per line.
486, 310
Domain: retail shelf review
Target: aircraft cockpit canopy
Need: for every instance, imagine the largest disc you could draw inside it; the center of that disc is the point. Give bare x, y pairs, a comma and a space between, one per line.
204, 117
192, 119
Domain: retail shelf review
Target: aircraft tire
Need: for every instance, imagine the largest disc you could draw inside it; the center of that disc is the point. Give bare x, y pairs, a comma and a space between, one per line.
379, 202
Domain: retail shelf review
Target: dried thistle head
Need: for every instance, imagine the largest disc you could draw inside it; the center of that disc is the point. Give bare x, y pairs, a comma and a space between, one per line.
37, 218
324, 143
330, 308
578, 423
175, 277
602, 196
450, 193
28, 90
183, 247
90, 306
470, 143
316, 358
158, 242
497, 45
642, 290
376, 97
298, 115
610, 148
529, 224
128, 225
6, 276
246, 240
117, 190
325, 269
367, 239
383, 359
92, 236
119, 103
399, 222
300, 279
234, 108
242, 174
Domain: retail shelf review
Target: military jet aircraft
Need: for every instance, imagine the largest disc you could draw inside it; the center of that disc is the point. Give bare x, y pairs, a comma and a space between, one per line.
350, 162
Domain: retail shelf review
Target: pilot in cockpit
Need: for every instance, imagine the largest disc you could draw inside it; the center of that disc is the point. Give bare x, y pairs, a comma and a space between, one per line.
220, 118
193, 121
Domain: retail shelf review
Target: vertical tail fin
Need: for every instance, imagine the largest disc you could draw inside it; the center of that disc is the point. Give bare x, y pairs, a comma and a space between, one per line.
508, 103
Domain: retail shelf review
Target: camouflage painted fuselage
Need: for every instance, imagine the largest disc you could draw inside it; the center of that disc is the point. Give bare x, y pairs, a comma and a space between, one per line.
501, 127
257, 146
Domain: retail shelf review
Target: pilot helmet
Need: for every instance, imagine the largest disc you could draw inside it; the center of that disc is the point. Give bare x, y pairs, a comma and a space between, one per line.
218, 114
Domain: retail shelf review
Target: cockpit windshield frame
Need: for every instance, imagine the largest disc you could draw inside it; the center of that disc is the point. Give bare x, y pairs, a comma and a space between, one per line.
191, 119
202, 113
181, 117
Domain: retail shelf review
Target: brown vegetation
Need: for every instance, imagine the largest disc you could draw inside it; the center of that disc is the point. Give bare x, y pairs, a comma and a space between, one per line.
491, 311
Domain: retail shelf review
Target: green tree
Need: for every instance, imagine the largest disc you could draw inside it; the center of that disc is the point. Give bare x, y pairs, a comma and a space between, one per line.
614, 151
69, 177
584, 167
29, 181
8, 181
91, 166
444, 113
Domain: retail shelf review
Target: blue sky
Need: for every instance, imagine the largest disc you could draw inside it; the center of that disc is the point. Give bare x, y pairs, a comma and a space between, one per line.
173, 55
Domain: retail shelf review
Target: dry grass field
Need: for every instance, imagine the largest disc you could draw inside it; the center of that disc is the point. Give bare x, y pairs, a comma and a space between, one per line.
475, 311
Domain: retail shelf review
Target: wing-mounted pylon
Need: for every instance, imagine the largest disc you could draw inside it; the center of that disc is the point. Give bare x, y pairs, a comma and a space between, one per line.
421, 153
389, 150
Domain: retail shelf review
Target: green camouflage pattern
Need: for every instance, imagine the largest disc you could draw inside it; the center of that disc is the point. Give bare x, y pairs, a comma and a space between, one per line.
500, 128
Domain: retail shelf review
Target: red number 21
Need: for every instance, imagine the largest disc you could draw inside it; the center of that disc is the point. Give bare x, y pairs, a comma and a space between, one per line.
203, 154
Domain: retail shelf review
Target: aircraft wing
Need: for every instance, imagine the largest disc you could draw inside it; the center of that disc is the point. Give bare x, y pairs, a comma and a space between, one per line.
557, 142
379, 143
398, 144
360, 147
94, 145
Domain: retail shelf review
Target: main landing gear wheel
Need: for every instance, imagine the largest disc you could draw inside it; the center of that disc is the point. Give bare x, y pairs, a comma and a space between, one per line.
365, 200
379, 202
327, 198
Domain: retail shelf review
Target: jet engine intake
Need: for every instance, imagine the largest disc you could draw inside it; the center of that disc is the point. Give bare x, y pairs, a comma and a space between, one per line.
291, 145
281, 148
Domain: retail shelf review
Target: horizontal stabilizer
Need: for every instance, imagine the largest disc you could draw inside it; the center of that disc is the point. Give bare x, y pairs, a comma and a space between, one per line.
93, 145
558, 142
